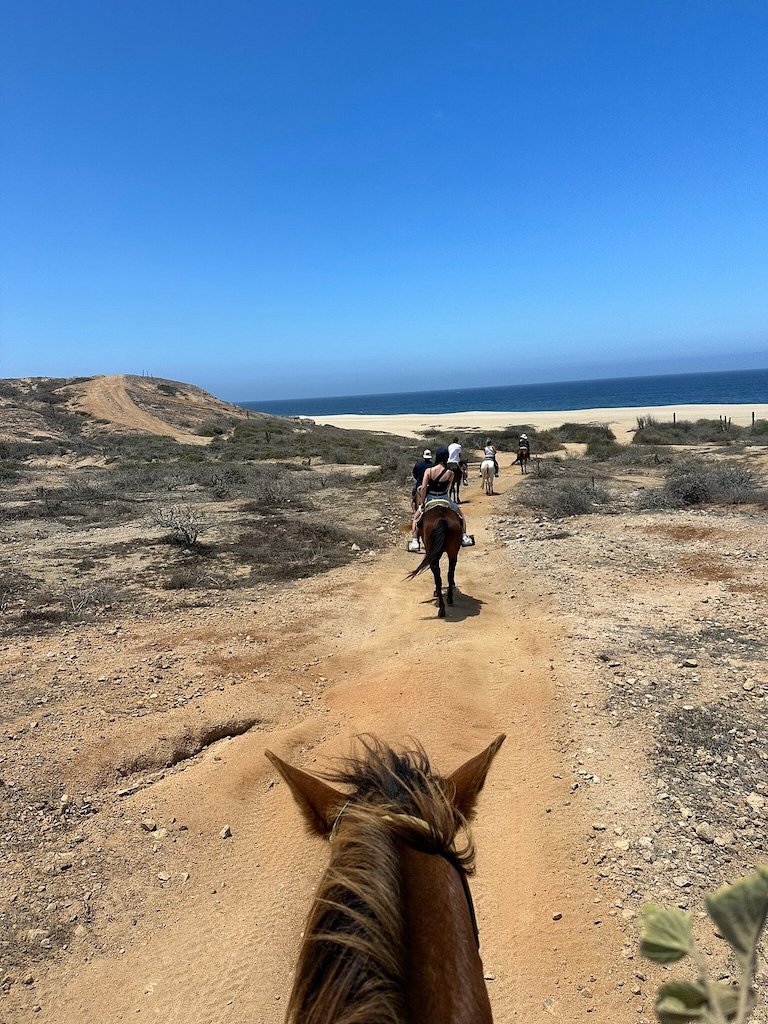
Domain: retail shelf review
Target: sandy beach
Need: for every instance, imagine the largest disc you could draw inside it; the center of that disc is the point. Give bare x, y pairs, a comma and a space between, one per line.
622, 421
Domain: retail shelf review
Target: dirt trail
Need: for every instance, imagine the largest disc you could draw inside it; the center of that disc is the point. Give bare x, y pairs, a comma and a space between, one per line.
225, 945
107, 398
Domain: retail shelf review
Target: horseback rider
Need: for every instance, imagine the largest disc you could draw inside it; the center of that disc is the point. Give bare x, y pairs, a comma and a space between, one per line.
524, 444
454, 455
436, 483
489, 452
424, 463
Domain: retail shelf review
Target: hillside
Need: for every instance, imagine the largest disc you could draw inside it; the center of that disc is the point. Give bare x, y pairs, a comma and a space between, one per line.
56, 407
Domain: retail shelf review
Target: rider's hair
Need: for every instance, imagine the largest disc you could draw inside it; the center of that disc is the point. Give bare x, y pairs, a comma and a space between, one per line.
441, 456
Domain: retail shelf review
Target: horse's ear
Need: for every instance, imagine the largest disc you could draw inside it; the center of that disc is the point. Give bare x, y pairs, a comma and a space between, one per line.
318, 802
466, 782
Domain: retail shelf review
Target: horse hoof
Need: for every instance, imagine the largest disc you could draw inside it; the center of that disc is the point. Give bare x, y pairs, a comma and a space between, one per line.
441, 613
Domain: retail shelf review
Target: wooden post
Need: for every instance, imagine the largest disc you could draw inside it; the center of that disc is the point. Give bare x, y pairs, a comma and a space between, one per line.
753, 419
674, 417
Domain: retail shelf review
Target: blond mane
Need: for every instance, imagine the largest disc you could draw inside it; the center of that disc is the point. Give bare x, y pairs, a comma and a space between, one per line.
352, 962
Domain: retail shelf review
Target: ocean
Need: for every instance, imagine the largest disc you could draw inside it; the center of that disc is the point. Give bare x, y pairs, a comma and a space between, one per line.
724, 388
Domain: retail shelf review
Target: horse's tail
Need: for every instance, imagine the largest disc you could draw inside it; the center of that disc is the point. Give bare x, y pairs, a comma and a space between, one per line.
438, 541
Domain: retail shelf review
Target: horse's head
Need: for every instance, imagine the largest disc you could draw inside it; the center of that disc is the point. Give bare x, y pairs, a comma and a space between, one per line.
393, 907
390, 783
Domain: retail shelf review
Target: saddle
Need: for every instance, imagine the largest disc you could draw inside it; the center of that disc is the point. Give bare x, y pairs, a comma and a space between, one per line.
438, 503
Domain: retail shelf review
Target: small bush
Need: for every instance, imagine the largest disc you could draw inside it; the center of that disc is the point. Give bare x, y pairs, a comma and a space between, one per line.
653, 431
271, 494
210, 428
562, 498
167, 389
695, 482
545, 469
645, 455
183, 522
600, 449
288, 549
187, 577
584, 433
80, 600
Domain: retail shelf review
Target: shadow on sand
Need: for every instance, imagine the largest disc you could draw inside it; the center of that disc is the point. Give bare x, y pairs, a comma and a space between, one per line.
464, 607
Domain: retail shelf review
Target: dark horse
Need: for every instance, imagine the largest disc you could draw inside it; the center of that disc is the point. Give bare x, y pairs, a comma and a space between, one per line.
441, 530
523, 455
391, 935
460, 480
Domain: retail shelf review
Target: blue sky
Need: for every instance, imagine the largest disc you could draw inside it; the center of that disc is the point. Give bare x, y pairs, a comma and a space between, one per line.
278, 199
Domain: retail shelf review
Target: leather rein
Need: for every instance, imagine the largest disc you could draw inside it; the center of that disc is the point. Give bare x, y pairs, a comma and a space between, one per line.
424, 827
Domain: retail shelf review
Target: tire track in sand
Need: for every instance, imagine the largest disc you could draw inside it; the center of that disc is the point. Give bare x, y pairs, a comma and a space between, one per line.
225, 949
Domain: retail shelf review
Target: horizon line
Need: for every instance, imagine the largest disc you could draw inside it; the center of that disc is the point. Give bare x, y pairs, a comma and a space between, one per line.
501, 387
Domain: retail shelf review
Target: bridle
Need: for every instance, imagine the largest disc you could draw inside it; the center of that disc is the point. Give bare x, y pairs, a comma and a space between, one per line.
422, 826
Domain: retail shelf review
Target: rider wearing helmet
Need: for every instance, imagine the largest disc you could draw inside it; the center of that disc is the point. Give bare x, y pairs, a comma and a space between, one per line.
436, 483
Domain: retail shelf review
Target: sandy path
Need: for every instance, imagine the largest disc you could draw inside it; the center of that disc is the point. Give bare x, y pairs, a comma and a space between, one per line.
224, 947
107, 398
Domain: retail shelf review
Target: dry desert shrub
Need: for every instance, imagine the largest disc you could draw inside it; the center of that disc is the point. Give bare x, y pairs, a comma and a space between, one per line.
575, 496
64, 601
653, 431
188, 577
584, 433
183, 521
287, 549
696, 482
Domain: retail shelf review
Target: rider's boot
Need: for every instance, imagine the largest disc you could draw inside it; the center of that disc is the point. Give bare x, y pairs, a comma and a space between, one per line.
468, 540
414, 545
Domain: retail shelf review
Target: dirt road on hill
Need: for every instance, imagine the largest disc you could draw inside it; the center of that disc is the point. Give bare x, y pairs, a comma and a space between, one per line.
222, 944
107, 398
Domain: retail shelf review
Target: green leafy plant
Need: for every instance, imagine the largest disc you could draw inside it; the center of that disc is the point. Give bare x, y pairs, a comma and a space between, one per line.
739, 913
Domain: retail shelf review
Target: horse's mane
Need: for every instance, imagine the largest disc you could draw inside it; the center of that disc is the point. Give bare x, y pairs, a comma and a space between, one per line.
352, 962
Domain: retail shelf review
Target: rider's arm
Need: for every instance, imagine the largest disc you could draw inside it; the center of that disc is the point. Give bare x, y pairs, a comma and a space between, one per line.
422, 493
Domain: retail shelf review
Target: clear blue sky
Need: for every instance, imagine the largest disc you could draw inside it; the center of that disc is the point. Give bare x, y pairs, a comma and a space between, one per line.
281, 199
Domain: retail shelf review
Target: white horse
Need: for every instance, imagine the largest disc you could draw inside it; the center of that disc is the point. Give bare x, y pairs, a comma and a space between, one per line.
488, 472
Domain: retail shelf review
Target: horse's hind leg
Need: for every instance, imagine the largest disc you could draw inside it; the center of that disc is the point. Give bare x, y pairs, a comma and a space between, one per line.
451, 579
439, 591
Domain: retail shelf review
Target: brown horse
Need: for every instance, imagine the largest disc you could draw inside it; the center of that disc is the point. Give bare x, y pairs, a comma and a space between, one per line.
523, 454
441, 530
391, 936
460, 479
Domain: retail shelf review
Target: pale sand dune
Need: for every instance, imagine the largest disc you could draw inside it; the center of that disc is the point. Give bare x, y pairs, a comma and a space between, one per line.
622, 421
